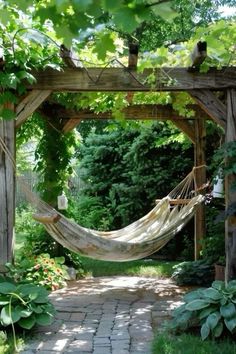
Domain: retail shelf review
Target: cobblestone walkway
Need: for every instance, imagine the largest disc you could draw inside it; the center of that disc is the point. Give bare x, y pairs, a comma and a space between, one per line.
108, 315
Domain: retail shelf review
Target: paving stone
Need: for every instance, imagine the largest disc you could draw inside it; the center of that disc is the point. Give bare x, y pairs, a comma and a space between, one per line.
77, 316
109, 315
81, 345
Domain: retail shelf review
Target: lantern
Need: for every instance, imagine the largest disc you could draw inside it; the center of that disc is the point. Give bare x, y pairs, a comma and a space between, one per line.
218, 187
62, 202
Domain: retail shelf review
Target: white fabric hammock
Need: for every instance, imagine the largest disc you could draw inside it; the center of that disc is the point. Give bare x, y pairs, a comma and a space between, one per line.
135, 241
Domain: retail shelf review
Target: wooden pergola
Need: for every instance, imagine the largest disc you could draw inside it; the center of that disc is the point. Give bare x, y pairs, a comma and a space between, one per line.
202, 87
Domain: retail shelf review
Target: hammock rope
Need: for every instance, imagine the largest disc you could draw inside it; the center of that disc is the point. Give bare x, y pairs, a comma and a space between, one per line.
135, 241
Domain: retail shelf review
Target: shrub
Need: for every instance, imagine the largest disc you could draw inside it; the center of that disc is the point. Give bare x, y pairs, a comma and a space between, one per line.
42, 270
212, 310
193, 273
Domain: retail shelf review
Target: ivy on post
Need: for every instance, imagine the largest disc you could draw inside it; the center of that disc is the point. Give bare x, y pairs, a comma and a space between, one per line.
7, 188
230, 192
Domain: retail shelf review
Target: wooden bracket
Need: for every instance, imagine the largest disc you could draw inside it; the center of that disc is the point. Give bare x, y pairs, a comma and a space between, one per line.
211, 104
186, 127
29, 104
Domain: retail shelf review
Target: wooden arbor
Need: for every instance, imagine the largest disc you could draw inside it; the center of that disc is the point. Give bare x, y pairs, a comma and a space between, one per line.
200, 86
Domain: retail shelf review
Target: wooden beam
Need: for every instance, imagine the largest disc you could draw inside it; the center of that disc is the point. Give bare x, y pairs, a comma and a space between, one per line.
230, 193
186, 127
7, 191
29, 104
211, 105
122, 79
70, 124
137, 112
200, 179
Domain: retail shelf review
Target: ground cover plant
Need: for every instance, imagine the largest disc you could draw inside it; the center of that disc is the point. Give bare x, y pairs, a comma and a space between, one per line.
167, 343
146, 267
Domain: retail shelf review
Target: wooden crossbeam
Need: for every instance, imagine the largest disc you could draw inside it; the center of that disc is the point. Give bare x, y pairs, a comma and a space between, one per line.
175, 201
138, 112
211, 104
29, 104
122, 79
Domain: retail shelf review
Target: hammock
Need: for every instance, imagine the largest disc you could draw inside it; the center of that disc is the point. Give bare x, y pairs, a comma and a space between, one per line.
135, 241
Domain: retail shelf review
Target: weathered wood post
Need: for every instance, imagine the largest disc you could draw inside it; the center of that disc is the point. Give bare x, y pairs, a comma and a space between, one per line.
200, 178
230, 195
7, 192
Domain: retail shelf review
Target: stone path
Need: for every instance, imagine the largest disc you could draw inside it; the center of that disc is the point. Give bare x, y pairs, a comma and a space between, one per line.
107, 315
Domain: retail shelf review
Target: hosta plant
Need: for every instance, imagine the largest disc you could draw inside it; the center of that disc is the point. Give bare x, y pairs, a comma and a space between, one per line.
212, 310
24, 304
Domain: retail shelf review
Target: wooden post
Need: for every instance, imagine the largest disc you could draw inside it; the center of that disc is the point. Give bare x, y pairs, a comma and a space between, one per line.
7, 193
230, 195
200, 177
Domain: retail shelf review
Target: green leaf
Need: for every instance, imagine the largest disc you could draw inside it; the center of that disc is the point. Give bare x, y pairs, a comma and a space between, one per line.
197, 305
206, 312
6, 288
125, 19
7, 113
111, 4
81, 5
44, 319
212, 294
193, 295
24, 311
165, 11
228, 311
217, 331
103, 45
230, 323
205, 331
213, 319
9, 315
27, 323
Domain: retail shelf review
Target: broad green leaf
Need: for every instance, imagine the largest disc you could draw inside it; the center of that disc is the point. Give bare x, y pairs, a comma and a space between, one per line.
228, 311
81, 5
125, 19
205, 331
213, 319
6, 288
206, 312
27, 323
165, 11
218, 284
24, 311
44, 319
212, 294
193, 295
9, 315
197, 305
230, 323
111, 4
36, 308
217, 331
